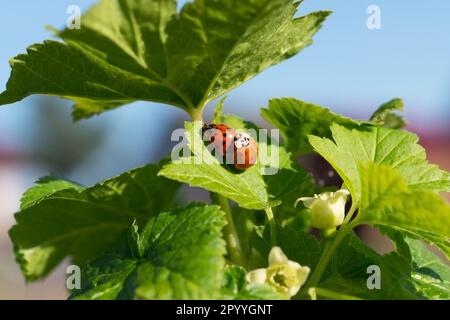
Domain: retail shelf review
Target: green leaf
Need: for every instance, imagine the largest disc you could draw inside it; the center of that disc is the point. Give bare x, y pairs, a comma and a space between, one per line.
43, 188
235, 287
297, 119
182, 258
298, 246
398, 240
430, 275
385, 115
250, 189
347, 272
398, 149
59, 220
387, 200
129, 50
217, 45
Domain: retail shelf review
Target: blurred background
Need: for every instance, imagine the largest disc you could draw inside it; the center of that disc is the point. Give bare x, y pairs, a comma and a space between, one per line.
350, 69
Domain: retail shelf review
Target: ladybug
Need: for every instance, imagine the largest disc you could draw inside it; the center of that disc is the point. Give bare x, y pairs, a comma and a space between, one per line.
221, 137
245, 151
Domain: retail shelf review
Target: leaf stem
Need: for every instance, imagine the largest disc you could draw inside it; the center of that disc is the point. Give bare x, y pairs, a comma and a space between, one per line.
231, 236
272, 225
328, 253
350, 214
314, 292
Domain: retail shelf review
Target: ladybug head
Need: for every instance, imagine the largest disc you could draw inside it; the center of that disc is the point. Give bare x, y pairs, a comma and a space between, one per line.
207, 127
241, 140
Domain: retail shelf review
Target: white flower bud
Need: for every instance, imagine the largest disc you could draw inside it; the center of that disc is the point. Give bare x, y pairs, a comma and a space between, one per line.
327, 209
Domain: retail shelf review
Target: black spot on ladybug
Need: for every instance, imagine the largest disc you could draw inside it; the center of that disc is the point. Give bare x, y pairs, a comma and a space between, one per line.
223, 142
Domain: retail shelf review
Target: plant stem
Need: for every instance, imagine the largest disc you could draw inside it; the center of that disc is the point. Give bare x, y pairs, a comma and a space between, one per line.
272, 225
314, 292
350, 214
196, 113
327, 254
231, 236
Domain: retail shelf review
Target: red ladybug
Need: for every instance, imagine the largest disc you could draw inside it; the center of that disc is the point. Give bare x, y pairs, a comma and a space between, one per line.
220, 135
245, 151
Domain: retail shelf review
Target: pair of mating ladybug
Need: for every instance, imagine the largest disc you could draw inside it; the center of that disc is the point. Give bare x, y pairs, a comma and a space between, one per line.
225, 141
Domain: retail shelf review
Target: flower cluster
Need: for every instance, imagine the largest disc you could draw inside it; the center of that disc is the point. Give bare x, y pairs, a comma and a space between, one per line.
282, 274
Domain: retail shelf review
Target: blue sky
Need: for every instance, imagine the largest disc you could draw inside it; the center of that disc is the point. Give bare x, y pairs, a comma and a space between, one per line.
349, 68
